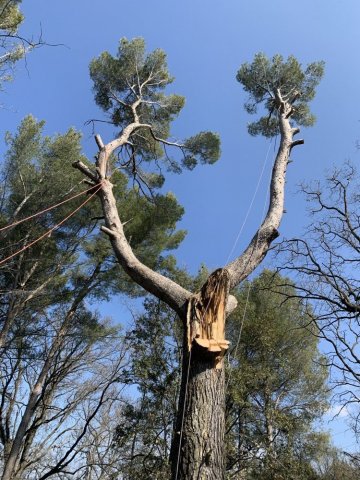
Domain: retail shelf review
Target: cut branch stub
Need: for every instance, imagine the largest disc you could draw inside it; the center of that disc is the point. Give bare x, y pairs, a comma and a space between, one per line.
206, 317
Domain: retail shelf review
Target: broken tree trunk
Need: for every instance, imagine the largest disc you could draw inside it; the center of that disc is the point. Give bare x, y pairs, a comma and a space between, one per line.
198, 445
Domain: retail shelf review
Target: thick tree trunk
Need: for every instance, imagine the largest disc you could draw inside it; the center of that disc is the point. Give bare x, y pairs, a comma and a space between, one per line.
198, 446
198, 450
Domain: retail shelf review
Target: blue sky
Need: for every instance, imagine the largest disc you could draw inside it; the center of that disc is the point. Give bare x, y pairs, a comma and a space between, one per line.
206, 41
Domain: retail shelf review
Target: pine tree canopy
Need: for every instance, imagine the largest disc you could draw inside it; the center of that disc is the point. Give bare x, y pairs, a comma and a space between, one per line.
12, 50
272, 81
131, 89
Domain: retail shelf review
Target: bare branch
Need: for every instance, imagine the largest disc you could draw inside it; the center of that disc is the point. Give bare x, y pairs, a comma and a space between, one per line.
241, 267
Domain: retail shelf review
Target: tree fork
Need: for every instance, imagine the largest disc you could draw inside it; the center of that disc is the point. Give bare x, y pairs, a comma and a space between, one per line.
198, 444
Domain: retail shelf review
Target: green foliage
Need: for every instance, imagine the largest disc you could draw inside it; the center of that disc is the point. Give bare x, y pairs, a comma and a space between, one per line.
38, 173
267, 80
131, 88
10, 17
275, 376
277, 382
205, 146
144, 433
47, 289
125, 79
12, 50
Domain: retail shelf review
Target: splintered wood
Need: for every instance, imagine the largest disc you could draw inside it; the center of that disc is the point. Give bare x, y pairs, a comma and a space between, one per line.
206, 316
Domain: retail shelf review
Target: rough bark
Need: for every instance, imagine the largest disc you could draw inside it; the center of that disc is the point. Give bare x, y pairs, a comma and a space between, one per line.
198, 450
199, 453
198, 443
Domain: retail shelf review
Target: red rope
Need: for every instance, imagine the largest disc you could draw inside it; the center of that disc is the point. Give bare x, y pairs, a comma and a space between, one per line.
47, 209
51, 229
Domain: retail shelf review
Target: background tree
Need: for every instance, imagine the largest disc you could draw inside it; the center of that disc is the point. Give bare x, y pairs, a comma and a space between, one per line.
130, 89
11, 49
56, 356
325, 261
13, 46
145, 426
276, 385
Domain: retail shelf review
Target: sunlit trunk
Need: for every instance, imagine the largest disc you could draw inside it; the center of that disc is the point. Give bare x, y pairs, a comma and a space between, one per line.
198, 449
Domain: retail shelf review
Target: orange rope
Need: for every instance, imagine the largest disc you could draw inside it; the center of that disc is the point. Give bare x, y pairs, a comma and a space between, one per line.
47, 209
51, 229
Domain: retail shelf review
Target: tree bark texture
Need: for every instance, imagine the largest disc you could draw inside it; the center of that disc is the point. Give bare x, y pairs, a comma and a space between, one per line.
198, 443
198, 449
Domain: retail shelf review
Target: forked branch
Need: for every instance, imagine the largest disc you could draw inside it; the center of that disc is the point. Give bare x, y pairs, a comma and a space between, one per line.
157, 284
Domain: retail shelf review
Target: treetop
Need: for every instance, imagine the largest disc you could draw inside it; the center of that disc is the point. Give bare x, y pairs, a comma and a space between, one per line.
272, 81
130, 88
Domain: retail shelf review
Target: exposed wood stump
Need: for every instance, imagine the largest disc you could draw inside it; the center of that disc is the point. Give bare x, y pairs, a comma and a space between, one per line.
206, 317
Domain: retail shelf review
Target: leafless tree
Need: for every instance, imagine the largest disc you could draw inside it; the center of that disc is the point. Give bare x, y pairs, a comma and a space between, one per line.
49, 404
325, 263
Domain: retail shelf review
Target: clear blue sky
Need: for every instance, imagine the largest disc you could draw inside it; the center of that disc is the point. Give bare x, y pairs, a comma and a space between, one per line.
206, 41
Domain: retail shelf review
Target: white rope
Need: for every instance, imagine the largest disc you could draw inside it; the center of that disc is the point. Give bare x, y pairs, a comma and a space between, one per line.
243, 318
248, 291
183, 416
250, 206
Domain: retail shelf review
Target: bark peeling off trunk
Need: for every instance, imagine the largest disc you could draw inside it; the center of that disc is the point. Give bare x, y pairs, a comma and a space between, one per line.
197, 451
206, 317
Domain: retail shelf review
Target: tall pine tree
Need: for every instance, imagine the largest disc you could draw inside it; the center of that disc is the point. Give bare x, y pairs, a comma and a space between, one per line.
129, 87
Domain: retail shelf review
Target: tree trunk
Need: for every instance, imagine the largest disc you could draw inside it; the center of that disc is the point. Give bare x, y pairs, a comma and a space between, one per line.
200, 425
198, 450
